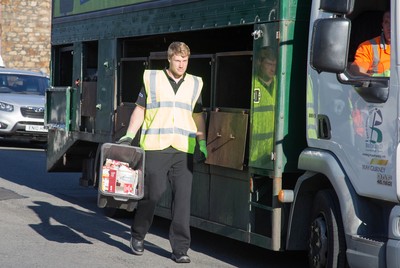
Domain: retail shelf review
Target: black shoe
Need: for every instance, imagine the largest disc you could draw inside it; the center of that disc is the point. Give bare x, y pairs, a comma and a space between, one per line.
180, 257
137, 246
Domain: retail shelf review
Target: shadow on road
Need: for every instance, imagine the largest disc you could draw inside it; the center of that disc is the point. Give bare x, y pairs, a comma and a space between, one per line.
23, 166
65, 224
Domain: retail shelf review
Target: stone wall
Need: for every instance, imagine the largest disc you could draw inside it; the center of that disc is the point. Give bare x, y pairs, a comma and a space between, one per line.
25, 34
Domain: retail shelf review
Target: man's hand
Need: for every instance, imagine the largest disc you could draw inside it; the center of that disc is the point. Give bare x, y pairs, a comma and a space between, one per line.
203, 147
384, 74
127, 139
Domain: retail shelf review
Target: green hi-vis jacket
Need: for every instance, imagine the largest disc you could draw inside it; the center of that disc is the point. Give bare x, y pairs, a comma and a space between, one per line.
263, 123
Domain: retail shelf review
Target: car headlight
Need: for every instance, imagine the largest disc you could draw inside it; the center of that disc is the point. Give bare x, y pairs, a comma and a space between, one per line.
6, 107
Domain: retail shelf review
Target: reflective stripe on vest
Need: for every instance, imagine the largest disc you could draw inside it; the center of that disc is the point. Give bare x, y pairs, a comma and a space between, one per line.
168, 119
377, 43
375, 50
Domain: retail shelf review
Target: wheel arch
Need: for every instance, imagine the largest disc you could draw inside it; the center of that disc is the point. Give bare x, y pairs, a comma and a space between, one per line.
301, 209
323, 171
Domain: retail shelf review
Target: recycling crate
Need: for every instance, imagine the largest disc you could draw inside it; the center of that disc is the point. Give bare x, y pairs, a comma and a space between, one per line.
121, 176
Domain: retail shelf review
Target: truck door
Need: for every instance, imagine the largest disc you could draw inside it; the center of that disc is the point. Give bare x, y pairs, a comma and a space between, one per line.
264, 96
105, 86
357, 114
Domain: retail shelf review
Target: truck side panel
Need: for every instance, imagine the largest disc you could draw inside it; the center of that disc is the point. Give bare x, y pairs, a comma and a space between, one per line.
111, 48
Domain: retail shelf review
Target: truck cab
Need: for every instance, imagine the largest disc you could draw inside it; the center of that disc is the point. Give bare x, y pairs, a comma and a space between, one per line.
352, 136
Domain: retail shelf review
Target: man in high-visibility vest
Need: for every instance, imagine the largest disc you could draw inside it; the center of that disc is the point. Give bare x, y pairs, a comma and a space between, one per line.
169, 110
373, 56
263, 118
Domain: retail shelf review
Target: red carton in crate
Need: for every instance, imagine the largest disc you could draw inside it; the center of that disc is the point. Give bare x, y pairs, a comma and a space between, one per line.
122, 173
112, 178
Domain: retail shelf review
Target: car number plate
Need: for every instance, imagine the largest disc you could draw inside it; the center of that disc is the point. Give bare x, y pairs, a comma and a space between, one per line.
35, 128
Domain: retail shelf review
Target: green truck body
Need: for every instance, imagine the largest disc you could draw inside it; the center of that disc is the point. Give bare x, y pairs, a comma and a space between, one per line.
99, 53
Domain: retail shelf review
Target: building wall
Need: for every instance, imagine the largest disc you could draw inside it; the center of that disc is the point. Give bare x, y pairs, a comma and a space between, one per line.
25, 34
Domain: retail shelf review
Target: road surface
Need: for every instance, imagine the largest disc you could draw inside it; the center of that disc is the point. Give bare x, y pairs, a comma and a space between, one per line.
48, 220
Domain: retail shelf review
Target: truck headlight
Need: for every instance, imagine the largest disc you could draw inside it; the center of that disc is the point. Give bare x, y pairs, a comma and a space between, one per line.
6, 107
396, 225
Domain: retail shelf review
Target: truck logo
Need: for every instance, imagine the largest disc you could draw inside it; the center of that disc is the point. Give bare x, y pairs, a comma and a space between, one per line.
374, 134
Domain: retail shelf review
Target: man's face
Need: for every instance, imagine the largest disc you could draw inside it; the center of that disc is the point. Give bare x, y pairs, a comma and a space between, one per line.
386, 26
268, 69
178, 65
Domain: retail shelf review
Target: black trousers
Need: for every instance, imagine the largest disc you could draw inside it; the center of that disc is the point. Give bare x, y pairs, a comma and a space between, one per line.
162, 167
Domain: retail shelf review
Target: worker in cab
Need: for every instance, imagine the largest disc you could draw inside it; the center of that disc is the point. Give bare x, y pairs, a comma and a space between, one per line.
372, 57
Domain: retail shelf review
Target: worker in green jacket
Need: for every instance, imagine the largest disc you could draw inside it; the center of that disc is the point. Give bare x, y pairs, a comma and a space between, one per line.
263, 107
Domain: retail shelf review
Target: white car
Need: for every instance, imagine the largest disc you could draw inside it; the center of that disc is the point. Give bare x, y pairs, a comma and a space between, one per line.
22, 104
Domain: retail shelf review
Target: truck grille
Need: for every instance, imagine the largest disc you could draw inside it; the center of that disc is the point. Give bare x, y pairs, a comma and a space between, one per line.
32, 112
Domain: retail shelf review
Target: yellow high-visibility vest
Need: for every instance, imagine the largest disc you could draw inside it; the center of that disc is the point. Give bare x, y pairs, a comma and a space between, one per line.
168, 118
263, 125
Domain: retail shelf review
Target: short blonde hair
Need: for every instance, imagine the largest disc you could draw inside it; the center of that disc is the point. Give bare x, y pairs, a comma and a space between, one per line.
178, 48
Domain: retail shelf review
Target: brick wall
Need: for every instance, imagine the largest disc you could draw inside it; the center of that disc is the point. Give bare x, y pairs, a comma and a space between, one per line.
25, 34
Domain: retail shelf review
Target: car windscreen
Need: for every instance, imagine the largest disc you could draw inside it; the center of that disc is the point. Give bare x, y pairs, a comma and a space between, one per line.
23, 84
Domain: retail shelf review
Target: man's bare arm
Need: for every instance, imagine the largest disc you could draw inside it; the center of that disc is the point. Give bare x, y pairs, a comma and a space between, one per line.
136, 120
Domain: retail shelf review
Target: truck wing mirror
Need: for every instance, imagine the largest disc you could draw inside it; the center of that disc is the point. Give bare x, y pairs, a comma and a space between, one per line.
329, 45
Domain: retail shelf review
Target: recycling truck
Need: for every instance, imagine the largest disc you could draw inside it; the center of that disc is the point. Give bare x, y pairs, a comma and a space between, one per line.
308, 161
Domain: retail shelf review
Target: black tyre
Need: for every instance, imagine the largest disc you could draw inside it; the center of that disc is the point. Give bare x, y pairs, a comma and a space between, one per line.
327, 245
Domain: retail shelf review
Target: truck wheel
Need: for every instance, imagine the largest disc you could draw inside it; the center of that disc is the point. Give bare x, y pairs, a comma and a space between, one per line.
327, 245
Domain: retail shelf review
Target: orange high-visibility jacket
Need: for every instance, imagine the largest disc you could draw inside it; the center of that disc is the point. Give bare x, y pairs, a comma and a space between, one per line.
373, 55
